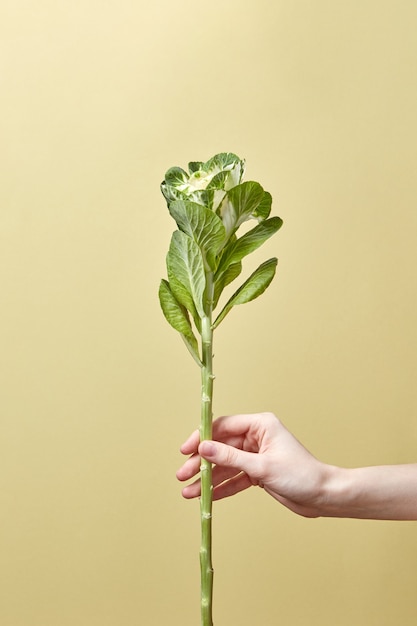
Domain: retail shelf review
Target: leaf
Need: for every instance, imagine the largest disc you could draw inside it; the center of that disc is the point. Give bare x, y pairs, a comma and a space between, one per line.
240, 204
175, 313
264, 208
245, 199
230, 163
222, 161
253, 287
169, 193
204, 226
224, 279
218, 180
187, 300
195, 166
176, 177
174, 183
250, 241
191, 349
177, 316
186, 272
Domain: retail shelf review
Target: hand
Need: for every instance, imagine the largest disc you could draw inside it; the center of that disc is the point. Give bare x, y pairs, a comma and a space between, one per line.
250, 450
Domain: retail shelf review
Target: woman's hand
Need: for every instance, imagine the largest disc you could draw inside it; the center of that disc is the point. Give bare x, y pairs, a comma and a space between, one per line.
250, 450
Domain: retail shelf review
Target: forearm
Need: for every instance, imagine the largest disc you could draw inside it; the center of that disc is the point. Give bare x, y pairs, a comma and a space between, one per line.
387, 492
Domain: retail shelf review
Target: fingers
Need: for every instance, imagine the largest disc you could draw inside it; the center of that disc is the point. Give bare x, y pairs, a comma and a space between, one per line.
229, 429
225, 484
233, 429
230, 457
191, 444
222, 455
224, 427
242, 423
232, 487
192, 491
190, 468
235, 468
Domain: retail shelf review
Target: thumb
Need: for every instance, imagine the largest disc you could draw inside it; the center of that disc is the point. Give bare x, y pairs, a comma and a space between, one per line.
228, 456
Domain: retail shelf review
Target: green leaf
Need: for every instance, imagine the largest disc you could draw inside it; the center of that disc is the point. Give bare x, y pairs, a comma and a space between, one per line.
264, 208
169, 193
195, 166
186, 272
253, 287
250, 241
218, 181
177, 316
222, 161
230, 163
191, 348
176, 177
204, 226
174, 183
224, 279
175, 313
240, 204
185, 298
245, 199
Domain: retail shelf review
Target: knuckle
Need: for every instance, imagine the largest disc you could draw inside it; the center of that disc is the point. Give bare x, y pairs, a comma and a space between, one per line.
231, 456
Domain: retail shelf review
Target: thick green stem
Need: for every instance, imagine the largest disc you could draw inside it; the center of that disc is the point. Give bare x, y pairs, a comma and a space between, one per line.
206, 472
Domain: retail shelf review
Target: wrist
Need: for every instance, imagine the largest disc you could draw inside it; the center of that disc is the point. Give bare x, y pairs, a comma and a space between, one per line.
335, 491
359, 493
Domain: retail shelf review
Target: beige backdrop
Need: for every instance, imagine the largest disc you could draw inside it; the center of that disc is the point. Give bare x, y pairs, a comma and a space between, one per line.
98, 99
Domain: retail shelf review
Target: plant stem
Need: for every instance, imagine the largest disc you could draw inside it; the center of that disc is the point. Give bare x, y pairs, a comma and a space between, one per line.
206, 499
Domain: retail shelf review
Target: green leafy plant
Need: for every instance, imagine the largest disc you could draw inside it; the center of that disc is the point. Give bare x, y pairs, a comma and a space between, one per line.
209, 204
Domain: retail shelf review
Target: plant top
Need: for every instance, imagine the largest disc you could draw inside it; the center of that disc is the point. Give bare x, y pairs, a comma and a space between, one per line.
209, 203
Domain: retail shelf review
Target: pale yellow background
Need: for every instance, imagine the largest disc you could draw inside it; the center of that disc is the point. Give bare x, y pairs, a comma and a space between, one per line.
98, 99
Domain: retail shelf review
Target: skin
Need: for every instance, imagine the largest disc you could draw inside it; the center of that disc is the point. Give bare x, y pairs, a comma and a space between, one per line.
258, 450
